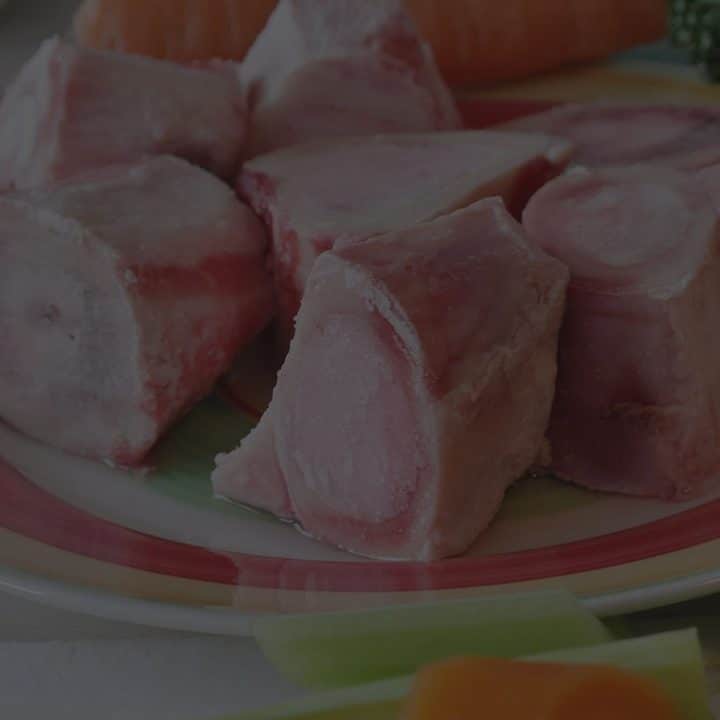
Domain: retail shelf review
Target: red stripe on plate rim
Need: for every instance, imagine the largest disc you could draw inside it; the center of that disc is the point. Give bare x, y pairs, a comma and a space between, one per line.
32, 512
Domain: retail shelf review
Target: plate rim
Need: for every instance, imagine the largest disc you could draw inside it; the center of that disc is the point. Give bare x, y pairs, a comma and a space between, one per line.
115, 607
655, 563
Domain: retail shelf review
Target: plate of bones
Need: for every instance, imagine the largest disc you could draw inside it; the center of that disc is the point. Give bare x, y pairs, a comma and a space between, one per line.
420, 345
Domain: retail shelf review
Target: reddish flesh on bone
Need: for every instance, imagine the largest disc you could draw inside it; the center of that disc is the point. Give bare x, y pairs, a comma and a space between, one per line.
72, 110
487, 113
674, 136
316, 195
333, 68
637, 409
124, 296
412, 397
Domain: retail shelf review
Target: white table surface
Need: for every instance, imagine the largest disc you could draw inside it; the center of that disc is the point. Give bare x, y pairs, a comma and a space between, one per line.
58, 665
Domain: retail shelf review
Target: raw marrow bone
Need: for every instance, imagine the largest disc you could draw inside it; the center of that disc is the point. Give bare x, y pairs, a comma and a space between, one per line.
317, 195
411, 398
333, 68
71, 110
124, 295
637, 409
673, 136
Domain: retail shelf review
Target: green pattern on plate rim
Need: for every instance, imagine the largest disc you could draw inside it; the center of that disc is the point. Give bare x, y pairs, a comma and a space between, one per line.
183, 462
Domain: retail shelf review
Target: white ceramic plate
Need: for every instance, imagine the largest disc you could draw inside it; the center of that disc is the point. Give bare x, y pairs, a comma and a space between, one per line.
159, 550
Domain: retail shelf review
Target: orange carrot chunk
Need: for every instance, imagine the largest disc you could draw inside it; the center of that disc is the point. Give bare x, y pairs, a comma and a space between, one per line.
485, 689
182, 31
476, 42
480, 42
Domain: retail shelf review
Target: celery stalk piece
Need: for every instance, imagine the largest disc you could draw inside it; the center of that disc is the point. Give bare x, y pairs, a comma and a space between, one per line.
673, 659
349, 648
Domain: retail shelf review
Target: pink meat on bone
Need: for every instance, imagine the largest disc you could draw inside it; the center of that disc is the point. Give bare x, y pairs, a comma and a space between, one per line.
331, 68
72, 110
605, 135
124, 295
418, 387
316, 195
637, 409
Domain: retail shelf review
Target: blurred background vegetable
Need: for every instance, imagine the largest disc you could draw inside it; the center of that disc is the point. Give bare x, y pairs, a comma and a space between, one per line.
477, 42
695, 25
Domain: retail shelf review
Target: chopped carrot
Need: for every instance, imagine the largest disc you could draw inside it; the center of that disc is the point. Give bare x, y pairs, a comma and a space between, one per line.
476, 43
482, 42
490, 689
184, 31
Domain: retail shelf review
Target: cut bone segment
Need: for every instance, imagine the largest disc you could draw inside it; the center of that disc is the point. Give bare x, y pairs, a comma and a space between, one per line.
330, 68
673, 136
124, 295
637, 409
316, 195
417, 388
72, 110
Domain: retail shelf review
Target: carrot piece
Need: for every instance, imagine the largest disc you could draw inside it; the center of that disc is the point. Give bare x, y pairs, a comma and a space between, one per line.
478, 42
478, 688
482, 42
181, 31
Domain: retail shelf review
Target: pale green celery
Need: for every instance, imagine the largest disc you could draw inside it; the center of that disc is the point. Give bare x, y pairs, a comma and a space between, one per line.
350, 648
672, 659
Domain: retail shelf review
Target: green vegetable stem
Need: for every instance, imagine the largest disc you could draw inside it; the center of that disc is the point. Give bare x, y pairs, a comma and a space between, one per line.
695, 25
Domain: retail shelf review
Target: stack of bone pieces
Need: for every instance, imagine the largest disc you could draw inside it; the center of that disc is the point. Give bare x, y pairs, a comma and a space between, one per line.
453, 307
